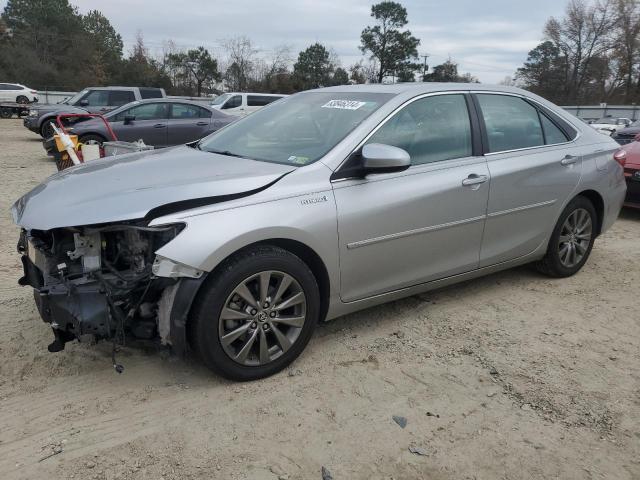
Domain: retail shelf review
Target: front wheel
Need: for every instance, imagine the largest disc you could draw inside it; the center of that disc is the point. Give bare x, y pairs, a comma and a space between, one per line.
22, 100
256, 314
92, 139
572, 239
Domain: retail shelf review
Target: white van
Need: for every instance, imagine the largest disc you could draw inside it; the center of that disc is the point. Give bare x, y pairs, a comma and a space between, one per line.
242, 104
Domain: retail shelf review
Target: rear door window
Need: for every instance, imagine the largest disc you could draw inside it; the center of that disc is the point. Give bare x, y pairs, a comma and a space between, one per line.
182, 111
150, 93
511, 123
121, 97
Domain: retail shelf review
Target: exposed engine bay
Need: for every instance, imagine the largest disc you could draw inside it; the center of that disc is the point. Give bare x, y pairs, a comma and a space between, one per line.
102, 282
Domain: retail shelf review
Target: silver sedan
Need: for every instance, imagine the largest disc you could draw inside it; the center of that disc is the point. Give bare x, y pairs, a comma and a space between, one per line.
321, 204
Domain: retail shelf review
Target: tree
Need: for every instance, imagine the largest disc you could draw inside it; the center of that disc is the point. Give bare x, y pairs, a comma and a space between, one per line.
448, 72
582, 35
313, 68
627, 43
203, 67
544, 72
105, 43
340, 77
392, 49
240, 62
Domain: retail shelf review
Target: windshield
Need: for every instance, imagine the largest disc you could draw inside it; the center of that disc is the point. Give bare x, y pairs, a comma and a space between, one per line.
296, 130
75, 98
221, 99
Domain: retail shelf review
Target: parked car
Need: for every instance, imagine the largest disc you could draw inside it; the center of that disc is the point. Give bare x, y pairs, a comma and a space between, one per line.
629, 157
91, 100
244, 103
14, 92
326, 202
628, 134
158, 122
609, 125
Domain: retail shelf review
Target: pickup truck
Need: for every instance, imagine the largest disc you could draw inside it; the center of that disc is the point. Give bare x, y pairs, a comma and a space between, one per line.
89, 100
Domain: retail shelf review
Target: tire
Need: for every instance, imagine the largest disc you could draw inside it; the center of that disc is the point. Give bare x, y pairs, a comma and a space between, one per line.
46, 130
207, 325
22, 99
6, 113
92, 138
559, 261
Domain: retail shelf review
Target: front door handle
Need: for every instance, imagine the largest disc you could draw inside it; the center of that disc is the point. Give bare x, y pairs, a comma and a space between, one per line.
568, 160
202, 124
159, 125
474, 179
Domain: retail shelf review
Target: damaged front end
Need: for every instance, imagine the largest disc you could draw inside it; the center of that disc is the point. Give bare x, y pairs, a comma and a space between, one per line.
105, 282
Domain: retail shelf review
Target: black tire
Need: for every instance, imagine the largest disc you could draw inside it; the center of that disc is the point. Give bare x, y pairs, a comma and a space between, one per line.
46, 130
92, 138
204, 318
22, 99
551, 264
6, 112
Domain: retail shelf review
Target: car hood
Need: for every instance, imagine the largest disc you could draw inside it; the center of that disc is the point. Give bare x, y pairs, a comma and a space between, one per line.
139, 185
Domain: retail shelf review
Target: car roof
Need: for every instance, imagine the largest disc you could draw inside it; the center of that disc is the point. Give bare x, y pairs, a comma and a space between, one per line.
420, 87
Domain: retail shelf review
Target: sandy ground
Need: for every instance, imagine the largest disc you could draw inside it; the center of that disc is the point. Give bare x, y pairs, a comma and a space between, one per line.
507, 377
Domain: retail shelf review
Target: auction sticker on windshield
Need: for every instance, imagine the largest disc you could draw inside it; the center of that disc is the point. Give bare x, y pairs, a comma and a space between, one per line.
344, 104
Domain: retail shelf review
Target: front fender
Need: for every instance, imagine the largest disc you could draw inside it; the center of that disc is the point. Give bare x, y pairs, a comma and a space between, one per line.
211, 237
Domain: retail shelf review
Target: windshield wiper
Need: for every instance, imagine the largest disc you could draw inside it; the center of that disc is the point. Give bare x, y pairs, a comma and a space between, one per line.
225, 152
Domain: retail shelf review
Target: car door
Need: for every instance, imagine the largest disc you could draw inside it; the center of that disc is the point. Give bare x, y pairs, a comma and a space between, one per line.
147, 121
188, 123
407, 228
534, 169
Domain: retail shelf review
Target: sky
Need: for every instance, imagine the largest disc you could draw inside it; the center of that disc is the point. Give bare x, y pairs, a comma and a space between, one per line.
490, 38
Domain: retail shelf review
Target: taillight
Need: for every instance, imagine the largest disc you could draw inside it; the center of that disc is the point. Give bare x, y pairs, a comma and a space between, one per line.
33, 92
621, 157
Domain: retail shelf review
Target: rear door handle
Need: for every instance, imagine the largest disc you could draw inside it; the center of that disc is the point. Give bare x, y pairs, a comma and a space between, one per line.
474, 179
568, 160
159, 125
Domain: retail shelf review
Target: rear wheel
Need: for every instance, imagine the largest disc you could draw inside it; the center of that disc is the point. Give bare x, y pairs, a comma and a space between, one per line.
572, 239
22, 99
256, 314
6, 112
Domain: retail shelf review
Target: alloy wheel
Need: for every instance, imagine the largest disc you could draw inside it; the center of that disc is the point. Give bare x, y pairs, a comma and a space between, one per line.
262, 318
575, 237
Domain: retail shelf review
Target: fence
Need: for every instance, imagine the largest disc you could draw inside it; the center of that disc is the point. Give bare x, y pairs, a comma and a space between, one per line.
593, 112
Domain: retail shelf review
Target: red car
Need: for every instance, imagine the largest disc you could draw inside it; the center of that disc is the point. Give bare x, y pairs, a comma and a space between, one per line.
629, 157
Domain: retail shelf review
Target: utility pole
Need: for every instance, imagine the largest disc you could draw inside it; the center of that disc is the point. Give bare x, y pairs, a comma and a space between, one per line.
426, 67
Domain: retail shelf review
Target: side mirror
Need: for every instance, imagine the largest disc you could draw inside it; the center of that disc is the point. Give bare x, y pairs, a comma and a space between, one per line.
128, 119
84, 103
379, 158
